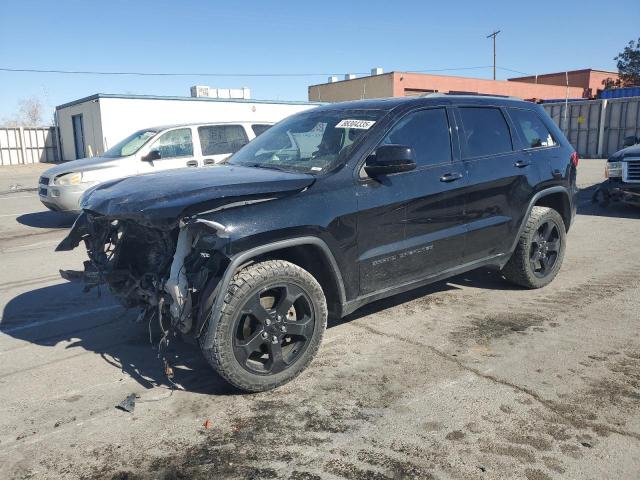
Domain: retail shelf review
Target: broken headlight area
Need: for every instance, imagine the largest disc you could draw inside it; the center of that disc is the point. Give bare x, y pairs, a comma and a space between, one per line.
169, 274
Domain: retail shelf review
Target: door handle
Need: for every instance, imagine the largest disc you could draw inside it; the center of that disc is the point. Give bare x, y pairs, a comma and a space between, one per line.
209, 161
450, 177
192, 163
522, 163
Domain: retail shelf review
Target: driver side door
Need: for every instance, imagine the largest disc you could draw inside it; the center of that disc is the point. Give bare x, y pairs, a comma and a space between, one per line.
175, 148
410, 225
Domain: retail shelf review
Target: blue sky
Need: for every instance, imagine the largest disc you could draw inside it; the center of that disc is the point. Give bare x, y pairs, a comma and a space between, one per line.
322, 36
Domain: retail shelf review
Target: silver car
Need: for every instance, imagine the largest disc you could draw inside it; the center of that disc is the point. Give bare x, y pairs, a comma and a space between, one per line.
145, 151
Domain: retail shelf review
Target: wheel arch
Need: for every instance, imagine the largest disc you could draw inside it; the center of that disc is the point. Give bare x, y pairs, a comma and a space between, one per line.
559, 201
306, 252
557, 198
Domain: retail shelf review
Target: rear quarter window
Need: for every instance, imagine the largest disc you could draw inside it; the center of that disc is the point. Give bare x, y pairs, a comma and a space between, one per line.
259, 129
486, 131
531, 128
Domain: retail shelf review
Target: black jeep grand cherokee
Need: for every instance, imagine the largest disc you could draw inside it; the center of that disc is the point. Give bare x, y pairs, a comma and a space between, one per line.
328, 210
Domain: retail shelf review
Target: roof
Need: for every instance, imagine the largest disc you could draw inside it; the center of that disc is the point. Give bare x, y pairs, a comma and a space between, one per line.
392, 102
204, 124
565, 71
97, 96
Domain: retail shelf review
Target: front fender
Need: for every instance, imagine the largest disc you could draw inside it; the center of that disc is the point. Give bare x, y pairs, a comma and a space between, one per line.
239, 259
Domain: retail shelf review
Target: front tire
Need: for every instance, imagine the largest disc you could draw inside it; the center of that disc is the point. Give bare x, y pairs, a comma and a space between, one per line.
273, 318
540, 250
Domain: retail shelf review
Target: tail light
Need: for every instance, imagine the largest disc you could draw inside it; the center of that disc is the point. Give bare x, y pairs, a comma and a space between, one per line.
575, 159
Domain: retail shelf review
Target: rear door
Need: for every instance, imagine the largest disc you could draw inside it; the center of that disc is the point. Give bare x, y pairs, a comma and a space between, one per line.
501, 180
539, 146
217, 142
411, 224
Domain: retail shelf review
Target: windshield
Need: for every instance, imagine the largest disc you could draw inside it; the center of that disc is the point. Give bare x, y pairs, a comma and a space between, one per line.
310, 142
131, 144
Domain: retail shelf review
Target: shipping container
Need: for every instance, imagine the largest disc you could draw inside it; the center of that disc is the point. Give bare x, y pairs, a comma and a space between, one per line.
620, 92
597, 128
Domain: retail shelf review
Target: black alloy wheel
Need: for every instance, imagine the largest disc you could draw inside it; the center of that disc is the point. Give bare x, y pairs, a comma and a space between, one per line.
539, 251
544, 249
273, 329
272, 321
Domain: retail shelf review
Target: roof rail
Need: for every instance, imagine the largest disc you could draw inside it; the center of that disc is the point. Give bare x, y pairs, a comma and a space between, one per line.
470, 94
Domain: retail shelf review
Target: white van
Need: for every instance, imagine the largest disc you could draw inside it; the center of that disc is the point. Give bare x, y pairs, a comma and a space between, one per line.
147, 150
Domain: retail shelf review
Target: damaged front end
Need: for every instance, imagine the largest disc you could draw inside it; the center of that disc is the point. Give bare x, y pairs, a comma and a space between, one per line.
170, 273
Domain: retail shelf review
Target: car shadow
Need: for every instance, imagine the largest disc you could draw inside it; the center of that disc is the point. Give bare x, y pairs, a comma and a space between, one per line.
62, 313
95, 322
47, 219
484, 278
586, 206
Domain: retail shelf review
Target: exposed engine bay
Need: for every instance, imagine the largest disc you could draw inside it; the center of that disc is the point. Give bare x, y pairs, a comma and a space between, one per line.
170, 274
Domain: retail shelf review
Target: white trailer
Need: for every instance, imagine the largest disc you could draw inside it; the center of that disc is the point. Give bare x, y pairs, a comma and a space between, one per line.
90, 125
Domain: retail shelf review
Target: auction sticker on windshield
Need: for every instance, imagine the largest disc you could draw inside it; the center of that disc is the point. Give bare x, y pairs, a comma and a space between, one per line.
357, 124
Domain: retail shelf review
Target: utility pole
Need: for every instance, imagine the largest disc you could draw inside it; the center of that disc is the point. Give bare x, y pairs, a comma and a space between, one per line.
494, 35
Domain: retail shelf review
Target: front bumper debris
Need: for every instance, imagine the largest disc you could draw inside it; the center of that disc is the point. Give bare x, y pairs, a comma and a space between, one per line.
616, 191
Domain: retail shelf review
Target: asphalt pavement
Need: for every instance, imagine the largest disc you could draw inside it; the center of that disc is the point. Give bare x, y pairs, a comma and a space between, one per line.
464, 379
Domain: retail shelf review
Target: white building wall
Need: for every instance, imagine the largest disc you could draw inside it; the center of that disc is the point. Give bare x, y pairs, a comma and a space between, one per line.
107, 120
90, 111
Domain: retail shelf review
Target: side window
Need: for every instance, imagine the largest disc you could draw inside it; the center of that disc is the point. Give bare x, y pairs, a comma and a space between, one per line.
176, 143
222, 139
486, 131
427, 133
531, 128
260, 129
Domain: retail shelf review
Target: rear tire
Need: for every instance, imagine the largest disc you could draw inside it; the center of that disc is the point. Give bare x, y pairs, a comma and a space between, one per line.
273, 318
540, 250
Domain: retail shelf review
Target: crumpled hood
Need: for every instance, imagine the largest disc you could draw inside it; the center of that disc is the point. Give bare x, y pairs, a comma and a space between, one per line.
161, 198
81, 165
633, 151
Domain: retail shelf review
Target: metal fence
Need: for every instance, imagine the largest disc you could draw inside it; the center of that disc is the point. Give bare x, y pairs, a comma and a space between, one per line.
596, 128
25, 145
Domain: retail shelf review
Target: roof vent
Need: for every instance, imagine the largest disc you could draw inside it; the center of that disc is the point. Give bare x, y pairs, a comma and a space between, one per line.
376, 71
204, 91
349, 76
332, 79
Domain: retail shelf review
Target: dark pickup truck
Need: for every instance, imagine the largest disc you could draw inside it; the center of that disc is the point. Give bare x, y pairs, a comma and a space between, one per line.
329, 210
623, 174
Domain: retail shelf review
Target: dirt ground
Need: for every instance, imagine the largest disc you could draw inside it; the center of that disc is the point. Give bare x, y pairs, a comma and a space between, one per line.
465, 379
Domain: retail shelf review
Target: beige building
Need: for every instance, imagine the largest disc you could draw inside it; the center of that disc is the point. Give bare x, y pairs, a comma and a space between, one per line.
400, 84
592, 81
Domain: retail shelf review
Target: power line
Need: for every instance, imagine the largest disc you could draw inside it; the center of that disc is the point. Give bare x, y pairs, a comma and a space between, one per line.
209, 74
160, 74
514, 71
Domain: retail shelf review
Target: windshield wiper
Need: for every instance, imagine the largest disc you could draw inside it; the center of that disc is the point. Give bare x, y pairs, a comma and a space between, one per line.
263, 165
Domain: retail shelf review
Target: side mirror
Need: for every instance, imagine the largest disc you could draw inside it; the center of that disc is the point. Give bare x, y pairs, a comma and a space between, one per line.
630, 141
389, 159
151, 156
